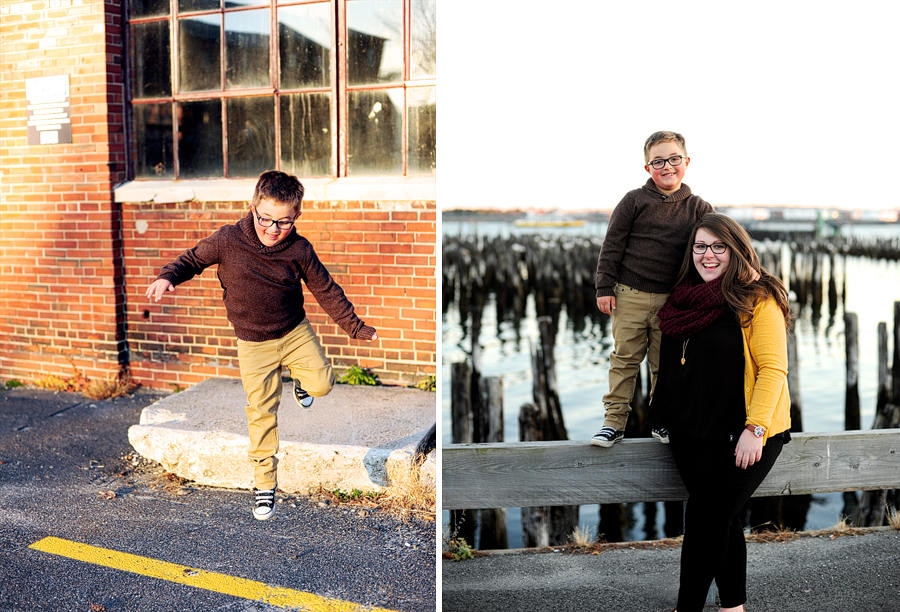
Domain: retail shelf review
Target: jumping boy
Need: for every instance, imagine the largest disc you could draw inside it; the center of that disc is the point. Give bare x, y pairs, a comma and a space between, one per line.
262, 261
639, 260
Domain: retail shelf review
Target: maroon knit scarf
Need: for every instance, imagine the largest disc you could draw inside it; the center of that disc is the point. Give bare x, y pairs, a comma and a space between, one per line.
691, 307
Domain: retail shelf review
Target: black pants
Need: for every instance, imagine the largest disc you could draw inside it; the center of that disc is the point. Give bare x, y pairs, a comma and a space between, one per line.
714, 546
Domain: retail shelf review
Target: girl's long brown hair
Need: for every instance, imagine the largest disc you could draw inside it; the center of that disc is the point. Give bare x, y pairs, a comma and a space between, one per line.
737, 289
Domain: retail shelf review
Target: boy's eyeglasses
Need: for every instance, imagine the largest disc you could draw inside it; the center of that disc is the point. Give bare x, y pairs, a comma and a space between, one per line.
718, 248
659, 164
266, 222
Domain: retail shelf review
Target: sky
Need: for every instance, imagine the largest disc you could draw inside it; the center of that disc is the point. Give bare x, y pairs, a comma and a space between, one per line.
787, 103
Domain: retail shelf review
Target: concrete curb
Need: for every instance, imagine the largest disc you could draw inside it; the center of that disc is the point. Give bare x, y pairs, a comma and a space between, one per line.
353, 438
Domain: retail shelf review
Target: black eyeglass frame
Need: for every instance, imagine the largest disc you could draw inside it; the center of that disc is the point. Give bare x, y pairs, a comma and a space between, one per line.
659, 164
717, 248
282, 225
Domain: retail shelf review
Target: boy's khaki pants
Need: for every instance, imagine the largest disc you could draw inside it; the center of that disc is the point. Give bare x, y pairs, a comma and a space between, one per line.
635, 330
261, 364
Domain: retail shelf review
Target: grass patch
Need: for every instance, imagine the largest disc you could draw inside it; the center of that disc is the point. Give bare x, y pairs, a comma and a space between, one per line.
122, 384
356, 375
13, 383
408, 495
429, 383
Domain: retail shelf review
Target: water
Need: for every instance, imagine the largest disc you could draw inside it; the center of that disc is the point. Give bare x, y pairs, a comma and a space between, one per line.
582, 365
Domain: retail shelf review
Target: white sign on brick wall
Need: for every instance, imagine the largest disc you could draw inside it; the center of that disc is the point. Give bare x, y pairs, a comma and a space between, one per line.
49, 121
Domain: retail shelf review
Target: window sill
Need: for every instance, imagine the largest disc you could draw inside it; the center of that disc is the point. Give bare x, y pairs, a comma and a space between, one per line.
393, 189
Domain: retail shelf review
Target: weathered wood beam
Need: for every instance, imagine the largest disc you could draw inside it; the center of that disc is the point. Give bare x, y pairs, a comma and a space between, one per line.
567, 472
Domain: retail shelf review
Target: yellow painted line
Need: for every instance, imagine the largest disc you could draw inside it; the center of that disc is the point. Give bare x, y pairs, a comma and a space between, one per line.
201, 579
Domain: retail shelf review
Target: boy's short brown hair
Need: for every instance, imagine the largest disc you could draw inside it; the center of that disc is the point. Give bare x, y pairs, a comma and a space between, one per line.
280, 187
658, 137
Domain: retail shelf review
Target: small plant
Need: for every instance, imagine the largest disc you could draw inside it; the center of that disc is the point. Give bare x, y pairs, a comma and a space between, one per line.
429, 383
459, 549
359, 376
12, 383
583, 537
893, 517
354, 495
93, 389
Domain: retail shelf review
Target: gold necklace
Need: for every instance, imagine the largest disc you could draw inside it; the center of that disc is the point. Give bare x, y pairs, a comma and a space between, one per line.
684, 350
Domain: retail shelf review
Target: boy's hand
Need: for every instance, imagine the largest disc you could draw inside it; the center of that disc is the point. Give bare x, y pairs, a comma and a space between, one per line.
158, 288
374, 337
606, 304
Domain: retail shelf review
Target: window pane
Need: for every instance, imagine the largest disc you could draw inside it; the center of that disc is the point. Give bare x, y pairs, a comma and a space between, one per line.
236, 3
251, 136
373, 135
187, 6
200, 139
374, 41
306, 134
247, 36
151, 69
148, 8
304, 45
423, 40
421, 140
198, 60
152, 144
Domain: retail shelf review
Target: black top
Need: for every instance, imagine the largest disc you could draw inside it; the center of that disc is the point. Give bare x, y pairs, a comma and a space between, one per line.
704, 396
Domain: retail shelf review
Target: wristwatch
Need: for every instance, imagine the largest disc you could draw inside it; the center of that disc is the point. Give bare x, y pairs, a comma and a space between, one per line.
757, 430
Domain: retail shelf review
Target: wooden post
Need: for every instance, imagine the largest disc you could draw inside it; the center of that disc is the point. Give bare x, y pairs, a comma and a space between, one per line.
462, 522
872, 503
493, 533
794, 373
543, 421
545, 388
851, 403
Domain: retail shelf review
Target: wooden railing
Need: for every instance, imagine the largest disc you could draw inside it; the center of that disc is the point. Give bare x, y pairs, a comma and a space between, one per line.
571, 472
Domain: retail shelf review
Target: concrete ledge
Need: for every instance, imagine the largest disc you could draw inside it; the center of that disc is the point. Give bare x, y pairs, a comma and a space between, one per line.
387, 189
350, 439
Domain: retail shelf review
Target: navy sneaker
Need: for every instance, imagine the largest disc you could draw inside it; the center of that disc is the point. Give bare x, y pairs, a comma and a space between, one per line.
661, 434
303, 398
264, 504
607, 436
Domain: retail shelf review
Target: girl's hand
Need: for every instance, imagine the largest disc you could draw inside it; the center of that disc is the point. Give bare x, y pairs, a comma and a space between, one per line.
748, 450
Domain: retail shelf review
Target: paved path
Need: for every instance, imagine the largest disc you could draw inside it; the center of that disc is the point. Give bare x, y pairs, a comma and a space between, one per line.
70, 484
822, 574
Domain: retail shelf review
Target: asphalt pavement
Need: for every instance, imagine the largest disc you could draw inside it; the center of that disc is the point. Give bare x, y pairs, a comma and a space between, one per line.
70, 481
828, 573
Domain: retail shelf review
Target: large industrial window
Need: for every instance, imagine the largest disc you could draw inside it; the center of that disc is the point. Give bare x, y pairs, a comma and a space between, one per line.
230, 88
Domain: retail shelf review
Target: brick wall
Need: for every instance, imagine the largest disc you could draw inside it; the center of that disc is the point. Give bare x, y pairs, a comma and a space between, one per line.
61, 299
382, 254
74, 263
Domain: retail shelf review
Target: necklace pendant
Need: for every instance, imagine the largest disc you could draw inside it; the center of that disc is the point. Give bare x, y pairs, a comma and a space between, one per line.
682, 361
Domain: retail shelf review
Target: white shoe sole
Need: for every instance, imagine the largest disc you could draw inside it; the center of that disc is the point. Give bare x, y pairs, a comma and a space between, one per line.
604, 443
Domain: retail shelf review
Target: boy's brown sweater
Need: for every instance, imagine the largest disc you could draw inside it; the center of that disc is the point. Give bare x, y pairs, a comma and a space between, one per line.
646, 239
261, 285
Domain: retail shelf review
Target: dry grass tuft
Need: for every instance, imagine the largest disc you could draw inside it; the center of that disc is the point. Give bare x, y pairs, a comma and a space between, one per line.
583, 537
123, 384
893, 517
409, 491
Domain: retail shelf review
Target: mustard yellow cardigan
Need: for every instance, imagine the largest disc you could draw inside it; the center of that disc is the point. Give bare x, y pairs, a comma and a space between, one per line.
765, 369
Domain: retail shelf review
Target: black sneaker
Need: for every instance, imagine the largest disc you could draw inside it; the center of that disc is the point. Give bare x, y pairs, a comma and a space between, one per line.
607, 436
303, 398
264, 504
661, 434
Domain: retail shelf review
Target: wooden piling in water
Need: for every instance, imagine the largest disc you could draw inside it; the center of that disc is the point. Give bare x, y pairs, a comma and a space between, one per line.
476, 410
851, 402
543, 421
